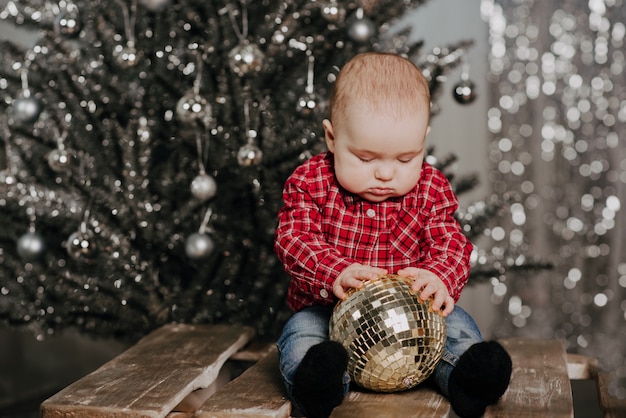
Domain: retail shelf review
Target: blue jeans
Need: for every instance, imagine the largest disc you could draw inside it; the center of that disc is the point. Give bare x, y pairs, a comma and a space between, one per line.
309, 327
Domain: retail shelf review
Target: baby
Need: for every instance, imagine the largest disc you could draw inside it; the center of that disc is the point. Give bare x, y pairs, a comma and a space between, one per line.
371, 205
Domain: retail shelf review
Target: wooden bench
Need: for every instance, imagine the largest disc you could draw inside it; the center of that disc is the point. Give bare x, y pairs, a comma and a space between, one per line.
181, 371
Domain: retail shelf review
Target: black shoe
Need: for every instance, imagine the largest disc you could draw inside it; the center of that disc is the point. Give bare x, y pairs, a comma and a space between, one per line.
318, 383
479, 379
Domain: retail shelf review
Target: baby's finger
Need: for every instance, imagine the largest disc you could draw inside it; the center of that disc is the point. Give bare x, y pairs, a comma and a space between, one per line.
427, 291
409, 272
378, 270
356, 282
339, 292
438, 302
418, 284
367, 274
448, 307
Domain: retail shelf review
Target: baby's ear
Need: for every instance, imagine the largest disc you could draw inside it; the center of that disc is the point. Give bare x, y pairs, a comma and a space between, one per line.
329, 134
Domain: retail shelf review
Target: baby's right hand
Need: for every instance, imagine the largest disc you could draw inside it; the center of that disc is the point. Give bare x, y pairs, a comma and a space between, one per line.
353, 276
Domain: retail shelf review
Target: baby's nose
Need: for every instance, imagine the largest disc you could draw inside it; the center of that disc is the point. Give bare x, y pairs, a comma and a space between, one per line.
384, 172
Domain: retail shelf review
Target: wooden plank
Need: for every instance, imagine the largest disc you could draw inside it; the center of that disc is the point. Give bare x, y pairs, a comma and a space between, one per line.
583, 367
192, 402
611, 406
540, 385
254, 351
417, 402
153, 376
258, 392
580, 367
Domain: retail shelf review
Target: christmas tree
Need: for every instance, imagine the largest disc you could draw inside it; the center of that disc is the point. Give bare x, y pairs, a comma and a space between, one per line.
146, 144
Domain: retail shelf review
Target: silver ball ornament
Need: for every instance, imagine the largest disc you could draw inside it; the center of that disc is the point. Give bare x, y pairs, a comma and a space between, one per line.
8, 178
67, 23
155, 5
127, 56
464, 92
249, 154
59, 160
31, 246
361, 29
307, 104
246, 58
81, 245
203, 187
193, 107
26, 109
393, 338
332, 11
198, 246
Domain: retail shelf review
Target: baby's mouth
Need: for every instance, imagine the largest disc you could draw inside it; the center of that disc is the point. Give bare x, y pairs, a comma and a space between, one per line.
380, 191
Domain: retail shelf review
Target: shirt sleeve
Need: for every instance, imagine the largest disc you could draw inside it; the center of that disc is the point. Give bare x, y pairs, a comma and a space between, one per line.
444, 249
300, 245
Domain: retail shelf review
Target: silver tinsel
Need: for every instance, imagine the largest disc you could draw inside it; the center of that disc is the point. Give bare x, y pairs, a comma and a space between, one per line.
558, 119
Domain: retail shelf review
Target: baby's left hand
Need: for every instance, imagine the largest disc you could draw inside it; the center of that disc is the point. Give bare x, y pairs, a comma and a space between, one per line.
429, 284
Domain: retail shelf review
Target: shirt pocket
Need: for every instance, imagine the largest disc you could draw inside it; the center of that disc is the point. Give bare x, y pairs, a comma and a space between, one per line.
405, 237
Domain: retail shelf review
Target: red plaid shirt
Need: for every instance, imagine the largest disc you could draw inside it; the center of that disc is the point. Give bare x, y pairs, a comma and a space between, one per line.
322, 229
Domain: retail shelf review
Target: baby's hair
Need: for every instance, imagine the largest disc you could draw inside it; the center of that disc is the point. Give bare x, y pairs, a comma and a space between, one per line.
383, 82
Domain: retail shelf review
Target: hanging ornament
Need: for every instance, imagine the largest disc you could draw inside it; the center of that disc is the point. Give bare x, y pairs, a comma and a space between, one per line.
332, 11
245, 58
360, 28
6, 177
203, 186
81, 245
127, 55
309, 102
249, 154
31, 246
200, 245
59, 159
193, 107
464, 91
155, 5
25, 107
67, 23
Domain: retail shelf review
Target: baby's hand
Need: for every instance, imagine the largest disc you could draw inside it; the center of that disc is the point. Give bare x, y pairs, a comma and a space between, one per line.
353, 277
428, 284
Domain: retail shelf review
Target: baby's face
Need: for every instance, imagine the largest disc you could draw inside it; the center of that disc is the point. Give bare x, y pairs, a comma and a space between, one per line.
378, 156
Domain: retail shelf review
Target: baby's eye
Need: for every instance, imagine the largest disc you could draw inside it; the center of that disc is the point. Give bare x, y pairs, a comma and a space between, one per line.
405, 160
365, 159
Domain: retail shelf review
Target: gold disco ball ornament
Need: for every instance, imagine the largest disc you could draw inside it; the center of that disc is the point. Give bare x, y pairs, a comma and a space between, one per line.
394, 340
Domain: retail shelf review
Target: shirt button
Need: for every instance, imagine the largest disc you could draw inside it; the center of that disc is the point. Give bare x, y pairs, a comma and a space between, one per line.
324, 293
371, 213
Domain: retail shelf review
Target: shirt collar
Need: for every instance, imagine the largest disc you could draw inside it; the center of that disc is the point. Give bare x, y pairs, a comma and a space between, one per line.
351, 199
